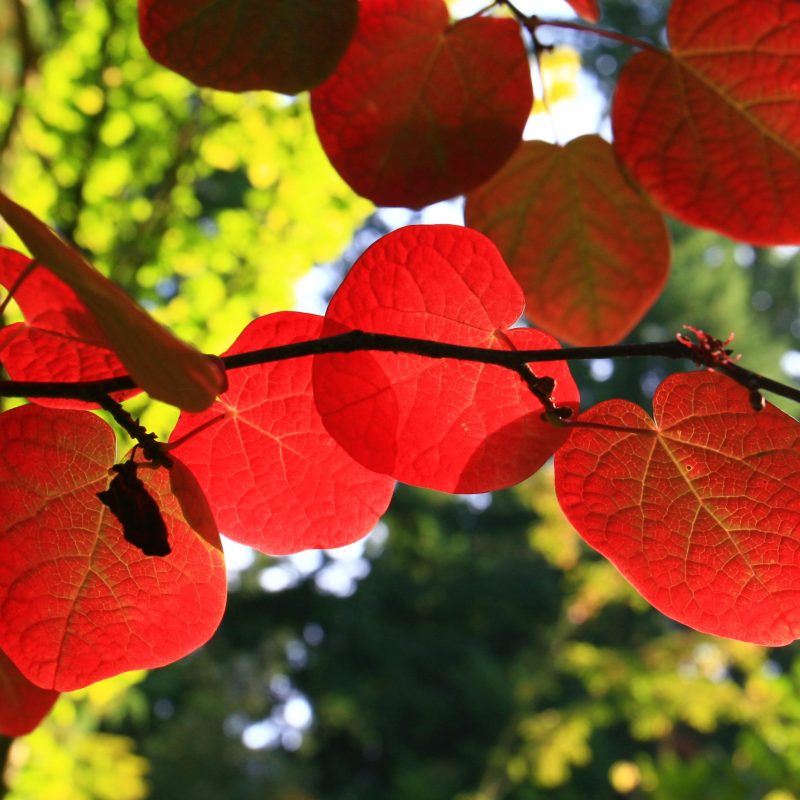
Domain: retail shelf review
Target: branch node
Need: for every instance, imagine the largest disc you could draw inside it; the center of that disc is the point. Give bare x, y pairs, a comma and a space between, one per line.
152, 449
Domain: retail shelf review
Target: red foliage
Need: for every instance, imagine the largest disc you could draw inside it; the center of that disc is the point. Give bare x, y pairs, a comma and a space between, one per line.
59, 340
275, 478
698, 510
283, 45
588, 9
23, 705
442, 424
590, 252
712, 128
418, 111
79, 602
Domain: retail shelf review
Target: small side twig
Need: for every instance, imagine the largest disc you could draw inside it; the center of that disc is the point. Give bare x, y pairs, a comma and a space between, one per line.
153, 449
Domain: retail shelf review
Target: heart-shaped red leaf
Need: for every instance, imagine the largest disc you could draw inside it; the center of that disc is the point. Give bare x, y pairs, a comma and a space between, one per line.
282, 45
78, 603
272, 473
444, 424
588, 9
712, 130
418, 111
699, 510
59, 340
590, 252
23, 705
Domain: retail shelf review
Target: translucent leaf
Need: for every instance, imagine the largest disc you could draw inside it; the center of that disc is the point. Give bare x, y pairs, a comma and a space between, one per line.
699, 510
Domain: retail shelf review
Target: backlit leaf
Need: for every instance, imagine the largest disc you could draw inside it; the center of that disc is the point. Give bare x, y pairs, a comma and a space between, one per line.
699, 510
418, 111
591, 253
442, 424
274, 476
588, 9
163, 366
59, 340
712, 129
23, 705
282, 45
79, 603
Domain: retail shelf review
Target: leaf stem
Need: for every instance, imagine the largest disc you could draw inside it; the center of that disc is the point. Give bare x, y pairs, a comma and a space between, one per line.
353, 341
533, 23
153, 450
639, 44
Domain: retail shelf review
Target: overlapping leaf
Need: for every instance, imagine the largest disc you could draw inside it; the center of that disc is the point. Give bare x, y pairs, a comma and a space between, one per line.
699, 510
418, 111
161, 365
712, 129
590, 252
78, 603
23, 705
443, 424
282, 45
59, 340
588, 9
273, 475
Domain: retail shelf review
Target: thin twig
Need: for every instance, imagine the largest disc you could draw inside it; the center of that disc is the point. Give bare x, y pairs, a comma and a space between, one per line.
533, 23
354, 341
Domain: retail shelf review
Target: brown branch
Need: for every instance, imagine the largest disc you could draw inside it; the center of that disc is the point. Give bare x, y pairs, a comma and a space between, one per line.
533, 23
354, 341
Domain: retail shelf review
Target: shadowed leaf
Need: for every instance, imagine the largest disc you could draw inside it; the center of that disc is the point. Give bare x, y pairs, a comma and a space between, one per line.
163, 366
282, 45
23, 705
712, 129
59, 340
590, 252
418, 111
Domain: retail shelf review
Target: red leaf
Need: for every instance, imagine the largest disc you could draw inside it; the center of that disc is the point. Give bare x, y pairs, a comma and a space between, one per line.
418, 111
273, 475
59, 340
590, 252
78, 603
442, 424
163, 366
700, 510
282, 45
588, 9
23, 705
712, 131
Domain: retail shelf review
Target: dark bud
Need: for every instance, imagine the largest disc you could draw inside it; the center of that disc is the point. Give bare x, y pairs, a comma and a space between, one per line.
131, 503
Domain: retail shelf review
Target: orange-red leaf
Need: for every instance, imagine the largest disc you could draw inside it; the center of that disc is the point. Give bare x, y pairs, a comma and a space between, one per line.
78, 603
163, 366
418, 111
590, 252
23, 705
440, 423
59, 340
712, 129
588, 9
699, 510
272, 473
282, 45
